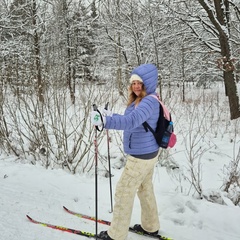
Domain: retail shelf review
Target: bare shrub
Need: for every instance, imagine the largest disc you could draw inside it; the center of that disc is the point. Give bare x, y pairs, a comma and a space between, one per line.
56, 133
231, 183
195, 137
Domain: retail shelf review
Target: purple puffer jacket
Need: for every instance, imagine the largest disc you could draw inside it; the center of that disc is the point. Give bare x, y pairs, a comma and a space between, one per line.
136, 140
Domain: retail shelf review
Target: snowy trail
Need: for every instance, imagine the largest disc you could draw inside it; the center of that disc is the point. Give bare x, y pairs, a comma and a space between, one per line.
41, 193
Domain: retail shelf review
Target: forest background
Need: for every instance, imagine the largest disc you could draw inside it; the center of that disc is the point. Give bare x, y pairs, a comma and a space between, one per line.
59, 57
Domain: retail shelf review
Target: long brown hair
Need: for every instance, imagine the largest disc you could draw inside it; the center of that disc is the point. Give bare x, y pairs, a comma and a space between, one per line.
132, 97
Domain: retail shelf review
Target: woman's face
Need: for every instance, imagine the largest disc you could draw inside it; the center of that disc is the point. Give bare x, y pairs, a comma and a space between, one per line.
137, 87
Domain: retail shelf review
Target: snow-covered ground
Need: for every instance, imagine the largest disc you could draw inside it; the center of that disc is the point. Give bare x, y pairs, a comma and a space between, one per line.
27, 189
207, 143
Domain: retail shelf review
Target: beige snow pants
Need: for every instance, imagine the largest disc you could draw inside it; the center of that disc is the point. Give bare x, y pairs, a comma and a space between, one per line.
136, 178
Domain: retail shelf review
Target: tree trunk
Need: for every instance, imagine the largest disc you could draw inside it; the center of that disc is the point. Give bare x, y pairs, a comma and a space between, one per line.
69, 67
40, 86
220, 19
231, 92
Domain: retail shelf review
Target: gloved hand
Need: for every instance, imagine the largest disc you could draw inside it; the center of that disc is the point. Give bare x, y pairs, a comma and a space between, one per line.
107, 112
96, 119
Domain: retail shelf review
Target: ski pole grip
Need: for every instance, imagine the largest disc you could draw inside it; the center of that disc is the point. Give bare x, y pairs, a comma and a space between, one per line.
96, 109
106, 106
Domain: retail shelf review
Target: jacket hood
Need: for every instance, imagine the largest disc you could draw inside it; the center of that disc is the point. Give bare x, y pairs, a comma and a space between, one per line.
149, 74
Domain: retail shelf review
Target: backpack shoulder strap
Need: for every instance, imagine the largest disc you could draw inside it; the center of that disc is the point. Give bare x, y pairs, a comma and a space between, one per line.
165, 110
147, 126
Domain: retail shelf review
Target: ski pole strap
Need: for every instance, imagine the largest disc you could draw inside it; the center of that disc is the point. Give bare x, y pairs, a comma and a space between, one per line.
96, 109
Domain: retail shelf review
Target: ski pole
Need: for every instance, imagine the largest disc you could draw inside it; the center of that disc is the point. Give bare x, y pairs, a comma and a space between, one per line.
109, 165
96, 170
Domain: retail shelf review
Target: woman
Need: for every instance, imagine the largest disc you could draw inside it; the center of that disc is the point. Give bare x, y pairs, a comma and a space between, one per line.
142, 151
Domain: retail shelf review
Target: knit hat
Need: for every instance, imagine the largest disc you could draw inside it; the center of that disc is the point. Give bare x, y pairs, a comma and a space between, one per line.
135, 77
